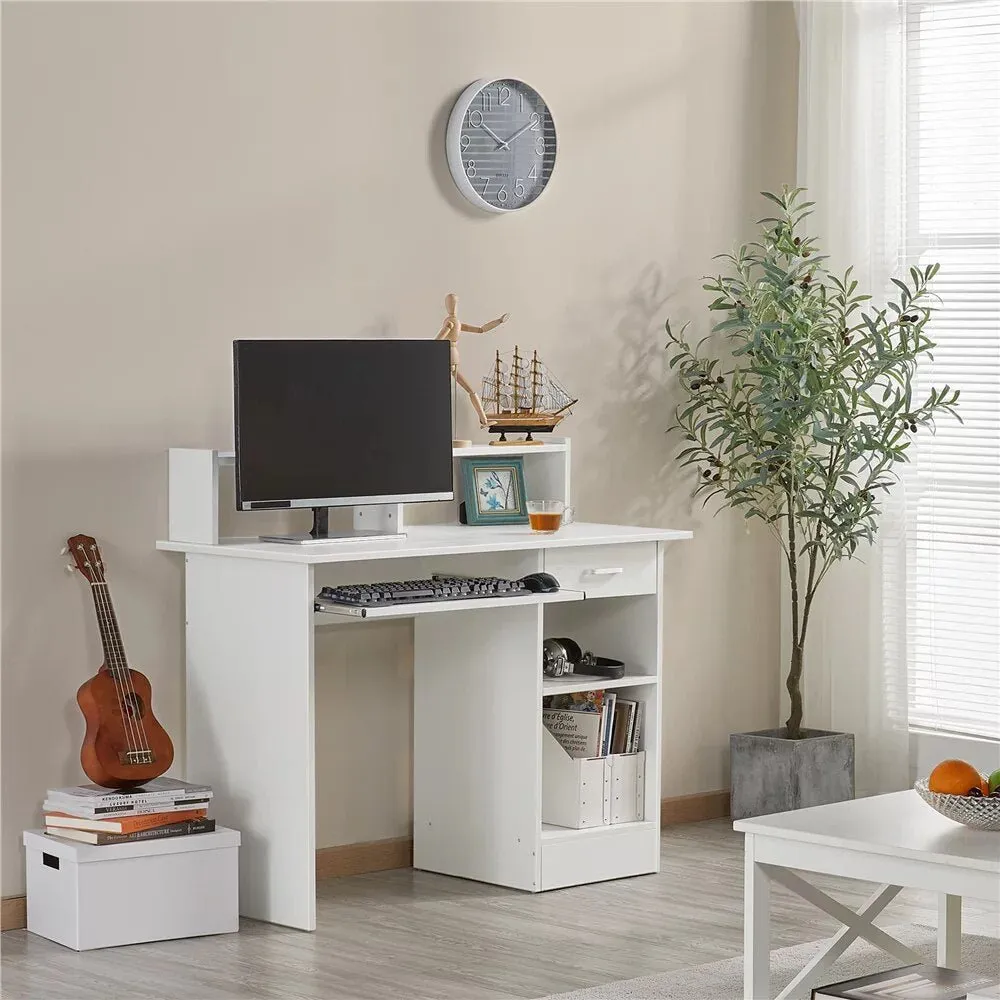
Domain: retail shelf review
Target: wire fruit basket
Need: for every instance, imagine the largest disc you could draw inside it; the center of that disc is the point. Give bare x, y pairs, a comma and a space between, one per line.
977, 813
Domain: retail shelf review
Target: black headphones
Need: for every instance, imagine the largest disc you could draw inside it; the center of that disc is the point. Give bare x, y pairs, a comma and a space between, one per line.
564, 656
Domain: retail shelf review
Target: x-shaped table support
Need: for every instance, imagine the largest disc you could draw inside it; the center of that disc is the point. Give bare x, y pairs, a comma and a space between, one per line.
856, 924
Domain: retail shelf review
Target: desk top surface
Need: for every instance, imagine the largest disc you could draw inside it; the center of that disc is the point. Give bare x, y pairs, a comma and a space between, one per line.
897, 824
430, 540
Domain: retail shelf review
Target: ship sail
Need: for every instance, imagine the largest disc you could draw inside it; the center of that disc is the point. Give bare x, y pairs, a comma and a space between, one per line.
523, 386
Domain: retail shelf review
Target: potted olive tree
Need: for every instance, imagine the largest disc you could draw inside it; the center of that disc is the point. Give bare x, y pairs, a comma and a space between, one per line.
797, 416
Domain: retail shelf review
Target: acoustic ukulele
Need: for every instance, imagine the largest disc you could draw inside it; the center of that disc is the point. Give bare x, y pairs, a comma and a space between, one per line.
124, 745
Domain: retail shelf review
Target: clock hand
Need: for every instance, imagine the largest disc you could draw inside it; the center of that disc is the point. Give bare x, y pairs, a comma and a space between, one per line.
516, 134
500, 143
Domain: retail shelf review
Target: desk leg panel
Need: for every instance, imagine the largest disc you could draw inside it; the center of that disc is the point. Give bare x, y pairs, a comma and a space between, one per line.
250, 723
477, 754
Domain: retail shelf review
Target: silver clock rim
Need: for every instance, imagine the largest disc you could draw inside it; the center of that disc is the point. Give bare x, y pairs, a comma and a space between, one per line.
453, 137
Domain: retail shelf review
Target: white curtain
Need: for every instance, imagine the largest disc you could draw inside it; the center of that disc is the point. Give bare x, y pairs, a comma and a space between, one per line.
850, 159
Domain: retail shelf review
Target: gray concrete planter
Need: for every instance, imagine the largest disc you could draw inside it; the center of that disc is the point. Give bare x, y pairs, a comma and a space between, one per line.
770, 774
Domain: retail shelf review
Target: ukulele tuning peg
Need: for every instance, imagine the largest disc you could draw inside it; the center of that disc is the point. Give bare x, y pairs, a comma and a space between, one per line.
64, 550
70, 568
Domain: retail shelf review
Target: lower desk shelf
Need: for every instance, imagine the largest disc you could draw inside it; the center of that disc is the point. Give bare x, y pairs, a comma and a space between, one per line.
576, 857
585, 682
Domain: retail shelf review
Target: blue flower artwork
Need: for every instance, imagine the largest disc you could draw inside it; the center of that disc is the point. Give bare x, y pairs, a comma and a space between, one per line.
493, 491
496, 490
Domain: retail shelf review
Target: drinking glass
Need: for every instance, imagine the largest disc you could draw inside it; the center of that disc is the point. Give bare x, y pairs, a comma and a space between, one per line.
545, 516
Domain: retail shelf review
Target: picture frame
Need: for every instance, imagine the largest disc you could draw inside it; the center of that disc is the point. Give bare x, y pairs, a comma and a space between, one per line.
493, 491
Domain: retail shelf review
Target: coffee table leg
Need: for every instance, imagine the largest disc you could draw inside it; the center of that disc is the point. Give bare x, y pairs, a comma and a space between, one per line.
949, 935
756, 926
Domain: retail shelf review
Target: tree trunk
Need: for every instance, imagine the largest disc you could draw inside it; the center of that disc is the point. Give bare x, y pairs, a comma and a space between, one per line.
793, 727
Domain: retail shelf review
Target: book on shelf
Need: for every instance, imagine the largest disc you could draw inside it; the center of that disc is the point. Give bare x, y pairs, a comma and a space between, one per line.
157, 790
158, 795
593, 723
121, 824
912, 982
185, 828
91, 811
577, 730
624, 726
640, 717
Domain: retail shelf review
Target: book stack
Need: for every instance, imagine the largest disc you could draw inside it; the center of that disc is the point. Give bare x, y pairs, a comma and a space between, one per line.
594, 723
163, 807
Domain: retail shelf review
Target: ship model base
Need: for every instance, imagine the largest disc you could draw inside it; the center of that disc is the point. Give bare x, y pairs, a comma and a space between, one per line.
531, 424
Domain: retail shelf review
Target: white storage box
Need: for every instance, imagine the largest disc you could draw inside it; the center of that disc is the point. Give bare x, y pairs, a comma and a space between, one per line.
580, 792
85, 897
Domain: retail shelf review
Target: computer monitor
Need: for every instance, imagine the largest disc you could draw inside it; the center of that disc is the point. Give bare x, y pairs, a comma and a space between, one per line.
334, 423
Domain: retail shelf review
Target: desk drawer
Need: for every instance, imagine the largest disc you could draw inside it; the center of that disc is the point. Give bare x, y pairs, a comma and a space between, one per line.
605, 570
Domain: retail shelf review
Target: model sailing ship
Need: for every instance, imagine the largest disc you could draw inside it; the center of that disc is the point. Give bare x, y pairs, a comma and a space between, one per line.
522, 397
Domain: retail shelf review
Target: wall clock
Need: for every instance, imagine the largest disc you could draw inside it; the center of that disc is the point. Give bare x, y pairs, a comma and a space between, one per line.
501, 144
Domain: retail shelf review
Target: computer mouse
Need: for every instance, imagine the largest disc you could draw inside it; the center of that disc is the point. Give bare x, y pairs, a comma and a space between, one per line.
540, 583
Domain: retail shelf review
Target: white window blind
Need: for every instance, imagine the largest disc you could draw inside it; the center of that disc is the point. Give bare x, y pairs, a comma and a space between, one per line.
952, 491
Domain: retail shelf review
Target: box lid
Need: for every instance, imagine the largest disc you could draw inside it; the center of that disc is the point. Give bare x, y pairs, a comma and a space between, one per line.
80, 854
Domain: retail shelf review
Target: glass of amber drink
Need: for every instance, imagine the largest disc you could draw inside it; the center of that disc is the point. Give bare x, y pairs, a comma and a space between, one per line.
545, 516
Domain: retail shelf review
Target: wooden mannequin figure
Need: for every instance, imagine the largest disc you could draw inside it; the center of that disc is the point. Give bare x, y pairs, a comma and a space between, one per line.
450, 330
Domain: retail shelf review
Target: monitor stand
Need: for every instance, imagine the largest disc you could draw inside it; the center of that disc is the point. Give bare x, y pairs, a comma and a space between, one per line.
321, 533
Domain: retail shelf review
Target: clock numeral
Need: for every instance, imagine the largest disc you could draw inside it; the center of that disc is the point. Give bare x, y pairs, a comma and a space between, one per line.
466, 142
485, 186
487, 100
519, 187
533, 174
540, 146
520, 97
536, 121
470, 168
504, 95
472, 119
502, 194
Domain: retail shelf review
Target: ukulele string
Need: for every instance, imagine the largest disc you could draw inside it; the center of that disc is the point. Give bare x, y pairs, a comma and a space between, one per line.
109, 652
136, 716
120, 673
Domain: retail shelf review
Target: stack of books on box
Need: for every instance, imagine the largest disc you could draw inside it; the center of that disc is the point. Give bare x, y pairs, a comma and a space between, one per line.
594, 723
163, 807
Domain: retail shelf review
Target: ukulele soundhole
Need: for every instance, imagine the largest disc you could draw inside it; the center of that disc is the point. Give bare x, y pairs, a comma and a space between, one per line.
133, 706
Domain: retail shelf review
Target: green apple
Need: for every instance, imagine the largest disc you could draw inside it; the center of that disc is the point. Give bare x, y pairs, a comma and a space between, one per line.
994, 780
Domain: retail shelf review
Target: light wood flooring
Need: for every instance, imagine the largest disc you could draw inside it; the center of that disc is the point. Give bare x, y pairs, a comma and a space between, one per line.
409, 935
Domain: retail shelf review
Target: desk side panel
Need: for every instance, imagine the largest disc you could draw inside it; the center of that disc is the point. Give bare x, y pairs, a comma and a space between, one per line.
250, 723
477, 756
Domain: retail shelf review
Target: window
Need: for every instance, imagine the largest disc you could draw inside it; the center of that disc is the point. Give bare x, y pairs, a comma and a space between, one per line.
952, 490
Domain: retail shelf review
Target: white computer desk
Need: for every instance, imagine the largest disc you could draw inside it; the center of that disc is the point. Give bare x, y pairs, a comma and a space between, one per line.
477, 690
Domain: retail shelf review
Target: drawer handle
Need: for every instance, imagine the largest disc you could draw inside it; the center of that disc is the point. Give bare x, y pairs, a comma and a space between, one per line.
605, 571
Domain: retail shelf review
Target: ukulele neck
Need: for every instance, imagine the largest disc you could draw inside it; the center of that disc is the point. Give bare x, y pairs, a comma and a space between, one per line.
111, 636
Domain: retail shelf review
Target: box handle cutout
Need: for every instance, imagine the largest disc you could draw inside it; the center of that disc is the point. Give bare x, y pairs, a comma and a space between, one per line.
50, 861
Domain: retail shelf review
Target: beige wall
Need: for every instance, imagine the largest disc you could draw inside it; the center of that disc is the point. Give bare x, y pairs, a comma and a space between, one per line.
177, 175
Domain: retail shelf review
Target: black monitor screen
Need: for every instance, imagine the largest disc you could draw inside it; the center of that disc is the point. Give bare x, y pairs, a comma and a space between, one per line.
336, 422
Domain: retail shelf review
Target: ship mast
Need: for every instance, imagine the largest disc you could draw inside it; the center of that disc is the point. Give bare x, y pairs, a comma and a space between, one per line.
496, 370
535, 381
515, 374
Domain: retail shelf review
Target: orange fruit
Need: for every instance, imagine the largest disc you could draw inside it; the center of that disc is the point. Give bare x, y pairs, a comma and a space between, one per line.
956, 777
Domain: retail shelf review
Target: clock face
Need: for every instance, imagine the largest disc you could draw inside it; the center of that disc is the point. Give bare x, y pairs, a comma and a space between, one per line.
501, 144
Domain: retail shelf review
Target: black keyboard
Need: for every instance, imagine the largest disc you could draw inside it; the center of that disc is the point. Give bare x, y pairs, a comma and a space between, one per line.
440, 588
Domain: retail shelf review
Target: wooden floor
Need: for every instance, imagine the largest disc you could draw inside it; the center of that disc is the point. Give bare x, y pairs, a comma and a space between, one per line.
409, 935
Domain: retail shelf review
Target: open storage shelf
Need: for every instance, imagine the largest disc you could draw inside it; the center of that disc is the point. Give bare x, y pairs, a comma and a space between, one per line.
554, 833
584, 682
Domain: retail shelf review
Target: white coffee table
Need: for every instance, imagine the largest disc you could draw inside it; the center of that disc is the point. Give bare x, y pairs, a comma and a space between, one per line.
895, 840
